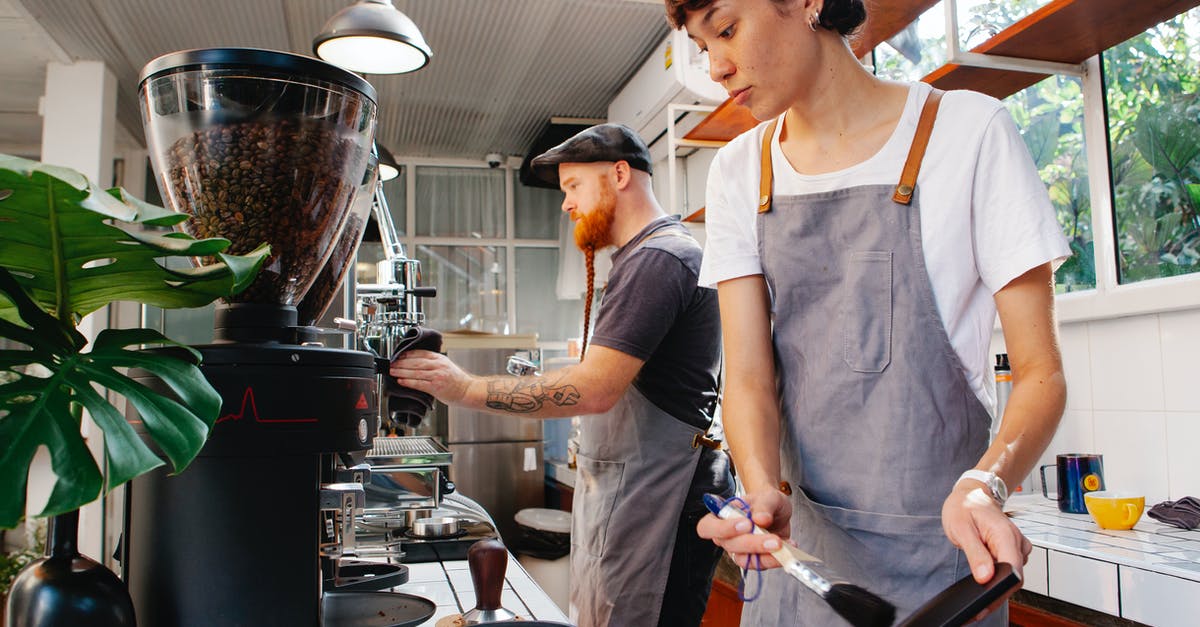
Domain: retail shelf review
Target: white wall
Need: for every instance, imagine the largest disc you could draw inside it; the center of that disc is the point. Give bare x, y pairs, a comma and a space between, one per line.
1133, 395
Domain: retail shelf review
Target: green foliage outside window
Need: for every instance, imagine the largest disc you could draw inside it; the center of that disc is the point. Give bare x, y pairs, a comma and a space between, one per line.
1154, 130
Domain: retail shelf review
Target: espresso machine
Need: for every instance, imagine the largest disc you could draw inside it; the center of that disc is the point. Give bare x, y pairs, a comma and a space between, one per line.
258, 146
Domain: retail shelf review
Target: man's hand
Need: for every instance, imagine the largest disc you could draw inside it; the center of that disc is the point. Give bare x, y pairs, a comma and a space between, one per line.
770, 510
432, 373
975, 523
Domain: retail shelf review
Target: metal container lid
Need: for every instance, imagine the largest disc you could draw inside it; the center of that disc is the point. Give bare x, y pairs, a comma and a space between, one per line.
255, 58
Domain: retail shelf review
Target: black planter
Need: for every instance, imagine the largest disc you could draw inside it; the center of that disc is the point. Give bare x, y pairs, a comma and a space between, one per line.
66, 589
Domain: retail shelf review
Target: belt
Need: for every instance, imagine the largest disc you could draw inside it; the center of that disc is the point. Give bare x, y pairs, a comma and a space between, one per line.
701, 439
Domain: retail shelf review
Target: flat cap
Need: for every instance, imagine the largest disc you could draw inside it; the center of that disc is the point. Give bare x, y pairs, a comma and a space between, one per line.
603, 142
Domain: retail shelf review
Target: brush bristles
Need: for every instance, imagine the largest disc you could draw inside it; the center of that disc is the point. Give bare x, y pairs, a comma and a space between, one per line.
860, 607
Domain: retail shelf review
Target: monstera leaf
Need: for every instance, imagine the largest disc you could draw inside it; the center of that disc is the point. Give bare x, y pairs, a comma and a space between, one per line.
68, 248
76, 248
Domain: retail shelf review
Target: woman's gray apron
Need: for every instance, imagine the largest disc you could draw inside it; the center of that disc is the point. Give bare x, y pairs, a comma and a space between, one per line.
634, 466
879, 420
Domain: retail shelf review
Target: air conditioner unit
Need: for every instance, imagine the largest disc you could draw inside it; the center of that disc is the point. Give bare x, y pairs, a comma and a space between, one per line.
675, 73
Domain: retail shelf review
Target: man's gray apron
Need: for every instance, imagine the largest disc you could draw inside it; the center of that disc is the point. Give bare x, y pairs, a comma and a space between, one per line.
879, 420
633, 469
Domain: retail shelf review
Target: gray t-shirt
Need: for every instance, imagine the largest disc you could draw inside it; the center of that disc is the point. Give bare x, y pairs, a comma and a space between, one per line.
652, 309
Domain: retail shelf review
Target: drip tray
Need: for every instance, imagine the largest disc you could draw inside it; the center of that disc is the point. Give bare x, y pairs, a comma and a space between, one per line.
374, 609
364, 575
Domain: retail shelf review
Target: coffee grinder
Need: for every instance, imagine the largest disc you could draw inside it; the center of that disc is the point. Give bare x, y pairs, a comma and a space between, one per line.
262, 146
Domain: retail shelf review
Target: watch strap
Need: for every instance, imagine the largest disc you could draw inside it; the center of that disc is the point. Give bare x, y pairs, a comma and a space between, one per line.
995, 485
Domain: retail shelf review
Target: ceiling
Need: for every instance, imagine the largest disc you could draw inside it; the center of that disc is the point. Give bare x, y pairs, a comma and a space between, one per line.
500, 69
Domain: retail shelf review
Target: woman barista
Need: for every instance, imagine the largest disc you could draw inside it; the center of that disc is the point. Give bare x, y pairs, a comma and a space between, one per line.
865, 237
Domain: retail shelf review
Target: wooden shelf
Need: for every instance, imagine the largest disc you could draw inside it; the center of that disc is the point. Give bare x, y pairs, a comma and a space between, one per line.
1064, 31
696, 216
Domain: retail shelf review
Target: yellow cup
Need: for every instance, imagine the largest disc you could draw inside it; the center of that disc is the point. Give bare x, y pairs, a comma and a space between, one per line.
1114, 510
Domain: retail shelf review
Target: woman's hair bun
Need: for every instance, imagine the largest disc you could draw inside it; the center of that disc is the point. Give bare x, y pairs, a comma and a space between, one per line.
843, 16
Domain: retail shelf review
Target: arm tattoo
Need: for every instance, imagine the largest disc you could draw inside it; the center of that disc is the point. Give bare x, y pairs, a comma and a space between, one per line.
526, 395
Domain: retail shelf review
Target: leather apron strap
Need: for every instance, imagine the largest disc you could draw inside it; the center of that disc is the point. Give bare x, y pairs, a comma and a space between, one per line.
908, 176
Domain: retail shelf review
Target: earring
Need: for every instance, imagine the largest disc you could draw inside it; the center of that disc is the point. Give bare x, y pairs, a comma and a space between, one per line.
814, 20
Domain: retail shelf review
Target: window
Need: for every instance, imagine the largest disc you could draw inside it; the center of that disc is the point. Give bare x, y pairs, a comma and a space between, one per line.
1050, 117
473, 243
1117, 142
1154, 135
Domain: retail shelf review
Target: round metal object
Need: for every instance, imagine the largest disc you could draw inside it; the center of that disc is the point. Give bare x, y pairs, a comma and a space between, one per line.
439, 527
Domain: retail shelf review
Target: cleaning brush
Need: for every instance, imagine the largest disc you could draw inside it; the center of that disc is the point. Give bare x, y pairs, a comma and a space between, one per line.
856, 604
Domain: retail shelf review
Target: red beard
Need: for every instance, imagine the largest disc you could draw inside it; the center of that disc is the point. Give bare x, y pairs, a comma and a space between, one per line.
594, 229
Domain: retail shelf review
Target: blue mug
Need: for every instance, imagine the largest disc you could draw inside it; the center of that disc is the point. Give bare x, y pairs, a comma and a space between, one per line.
1078, 474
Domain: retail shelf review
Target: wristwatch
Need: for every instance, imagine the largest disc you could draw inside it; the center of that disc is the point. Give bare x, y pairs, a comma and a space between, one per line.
995, 484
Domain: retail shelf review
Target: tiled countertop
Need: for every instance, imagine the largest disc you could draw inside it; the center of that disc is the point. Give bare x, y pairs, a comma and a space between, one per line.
1150, 545
448, 585
1149, 574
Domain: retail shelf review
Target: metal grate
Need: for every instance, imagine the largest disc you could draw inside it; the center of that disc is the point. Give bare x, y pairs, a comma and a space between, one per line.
392, 447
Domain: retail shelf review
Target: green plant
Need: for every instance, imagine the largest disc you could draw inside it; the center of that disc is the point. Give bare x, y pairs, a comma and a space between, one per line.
13, 562
68, 248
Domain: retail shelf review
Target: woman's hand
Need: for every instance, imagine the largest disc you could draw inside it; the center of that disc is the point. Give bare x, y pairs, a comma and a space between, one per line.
770, 510
975, 523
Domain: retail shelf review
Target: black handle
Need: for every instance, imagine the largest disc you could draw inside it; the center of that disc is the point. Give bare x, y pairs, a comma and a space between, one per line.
425, 291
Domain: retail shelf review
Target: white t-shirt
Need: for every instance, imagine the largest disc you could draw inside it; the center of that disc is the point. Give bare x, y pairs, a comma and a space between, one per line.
985, 215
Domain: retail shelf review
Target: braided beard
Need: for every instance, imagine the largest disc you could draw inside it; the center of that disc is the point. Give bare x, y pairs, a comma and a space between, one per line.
592, 231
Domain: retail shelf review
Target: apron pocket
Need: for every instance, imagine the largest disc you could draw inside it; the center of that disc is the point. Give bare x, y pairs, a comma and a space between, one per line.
598, 483
909, 557
867, 334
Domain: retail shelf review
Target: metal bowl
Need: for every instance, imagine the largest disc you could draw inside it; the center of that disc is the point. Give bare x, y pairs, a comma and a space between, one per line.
439, 527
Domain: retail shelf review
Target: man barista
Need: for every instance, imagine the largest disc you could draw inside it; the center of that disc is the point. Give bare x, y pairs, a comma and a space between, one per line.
646, 389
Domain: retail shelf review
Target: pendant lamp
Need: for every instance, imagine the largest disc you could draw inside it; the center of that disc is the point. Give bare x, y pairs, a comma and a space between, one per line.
372, 37
388, 168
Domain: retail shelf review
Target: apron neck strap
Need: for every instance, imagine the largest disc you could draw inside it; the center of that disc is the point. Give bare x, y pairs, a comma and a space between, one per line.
908, 176
765, 178
912, 165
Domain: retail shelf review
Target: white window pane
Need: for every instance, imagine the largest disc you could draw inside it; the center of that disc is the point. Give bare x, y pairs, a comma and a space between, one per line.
536, 211
459, 202
538, 308
471, 287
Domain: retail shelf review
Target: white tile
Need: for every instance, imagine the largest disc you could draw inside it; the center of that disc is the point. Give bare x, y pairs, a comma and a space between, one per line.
426, 571
1157, 599
437, 592
1134, 446
1077, 364
1075, 434
441, 612
1180, 346
1183, 464
1082, 581
1126, 363
1035, 571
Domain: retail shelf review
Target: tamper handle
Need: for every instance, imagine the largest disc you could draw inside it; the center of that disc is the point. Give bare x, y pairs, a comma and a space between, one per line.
488, 560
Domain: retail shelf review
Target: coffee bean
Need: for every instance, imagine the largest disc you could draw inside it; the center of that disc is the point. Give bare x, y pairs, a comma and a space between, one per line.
281, 182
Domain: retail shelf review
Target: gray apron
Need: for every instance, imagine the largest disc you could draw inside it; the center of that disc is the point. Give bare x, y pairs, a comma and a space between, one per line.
633, 469
878, 419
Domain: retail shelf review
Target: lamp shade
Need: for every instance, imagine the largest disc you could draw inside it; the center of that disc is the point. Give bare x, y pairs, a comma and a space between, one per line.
372, 37
388, 168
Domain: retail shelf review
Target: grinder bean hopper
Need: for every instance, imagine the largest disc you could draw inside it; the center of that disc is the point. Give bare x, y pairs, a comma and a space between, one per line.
258, 146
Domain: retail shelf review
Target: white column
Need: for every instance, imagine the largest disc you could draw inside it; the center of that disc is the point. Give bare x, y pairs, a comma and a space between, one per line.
78, 130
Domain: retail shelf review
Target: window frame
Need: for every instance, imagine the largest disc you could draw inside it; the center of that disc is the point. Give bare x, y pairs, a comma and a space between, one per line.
509, 242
